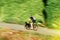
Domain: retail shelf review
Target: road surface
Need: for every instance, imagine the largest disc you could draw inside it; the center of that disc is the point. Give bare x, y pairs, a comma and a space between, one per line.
40, 30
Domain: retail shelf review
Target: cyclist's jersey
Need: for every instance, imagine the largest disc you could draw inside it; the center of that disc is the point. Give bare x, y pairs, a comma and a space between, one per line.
33, 20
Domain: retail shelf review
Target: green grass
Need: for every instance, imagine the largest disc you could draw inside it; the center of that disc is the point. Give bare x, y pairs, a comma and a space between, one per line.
19, 11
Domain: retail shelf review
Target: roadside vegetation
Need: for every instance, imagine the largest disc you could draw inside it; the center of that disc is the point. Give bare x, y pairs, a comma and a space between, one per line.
8, 34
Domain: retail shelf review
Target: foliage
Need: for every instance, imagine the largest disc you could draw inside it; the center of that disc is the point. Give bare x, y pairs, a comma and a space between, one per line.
53, 14
19, 11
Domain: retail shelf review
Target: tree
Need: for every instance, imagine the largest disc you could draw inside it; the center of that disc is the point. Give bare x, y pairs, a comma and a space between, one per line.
53, 14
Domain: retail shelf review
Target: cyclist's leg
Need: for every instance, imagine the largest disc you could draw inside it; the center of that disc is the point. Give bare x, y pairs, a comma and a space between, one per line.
31, 25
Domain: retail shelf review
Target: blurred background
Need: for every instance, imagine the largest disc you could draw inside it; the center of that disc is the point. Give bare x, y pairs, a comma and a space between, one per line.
19, 11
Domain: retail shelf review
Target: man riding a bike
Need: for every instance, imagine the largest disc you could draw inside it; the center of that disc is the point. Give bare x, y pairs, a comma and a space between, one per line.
33, 22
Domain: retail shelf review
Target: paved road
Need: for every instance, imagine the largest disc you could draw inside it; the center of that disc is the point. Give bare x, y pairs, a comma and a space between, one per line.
40, 30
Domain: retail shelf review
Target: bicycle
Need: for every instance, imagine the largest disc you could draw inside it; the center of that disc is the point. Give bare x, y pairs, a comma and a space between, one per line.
35, 27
